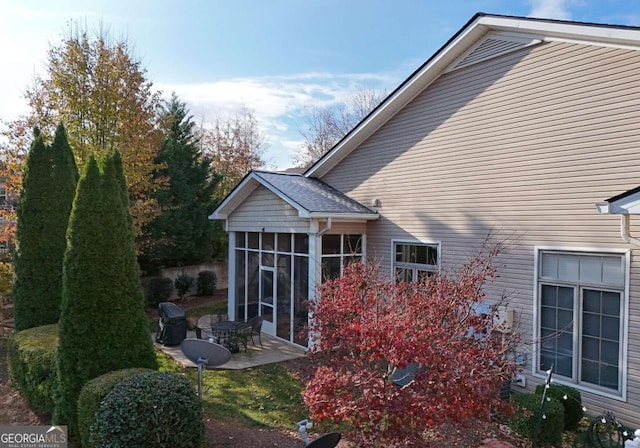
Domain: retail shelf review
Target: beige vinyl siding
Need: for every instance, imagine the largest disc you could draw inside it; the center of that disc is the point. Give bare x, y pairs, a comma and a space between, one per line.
347, 228
522, 146
263, 211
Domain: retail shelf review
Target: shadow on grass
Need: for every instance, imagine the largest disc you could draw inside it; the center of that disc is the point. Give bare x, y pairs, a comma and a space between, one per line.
265, 396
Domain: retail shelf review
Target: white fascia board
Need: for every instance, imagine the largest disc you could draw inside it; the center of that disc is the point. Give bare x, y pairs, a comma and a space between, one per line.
217, 216
571, 31
602, 207
629, 205
345, 216
235, 198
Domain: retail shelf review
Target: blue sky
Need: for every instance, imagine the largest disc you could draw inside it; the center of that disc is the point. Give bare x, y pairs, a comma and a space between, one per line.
278, 57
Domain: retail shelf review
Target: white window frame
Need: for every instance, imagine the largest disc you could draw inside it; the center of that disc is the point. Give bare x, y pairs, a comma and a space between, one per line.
437, 244
624, 321
344, 251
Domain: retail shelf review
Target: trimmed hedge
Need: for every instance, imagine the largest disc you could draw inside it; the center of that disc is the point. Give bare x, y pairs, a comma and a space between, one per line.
92, 394
523, 422
206, 283
149, 410
32, 355
573, 412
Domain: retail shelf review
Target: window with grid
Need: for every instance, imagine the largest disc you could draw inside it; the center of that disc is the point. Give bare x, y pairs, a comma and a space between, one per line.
413, 261
337, 252
580, 312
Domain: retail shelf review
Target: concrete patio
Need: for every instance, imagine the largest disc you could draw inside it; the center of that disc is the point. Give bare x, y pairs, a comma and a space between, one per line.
273, 350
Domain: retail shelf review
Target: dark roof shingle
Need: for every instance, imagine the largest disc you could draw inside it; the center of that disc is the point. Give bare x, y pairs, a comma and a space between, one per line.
311, 194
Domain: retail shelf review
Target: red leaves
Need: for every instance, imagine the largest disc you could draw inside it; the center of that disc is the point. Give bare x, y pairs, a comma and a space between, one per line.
368, 328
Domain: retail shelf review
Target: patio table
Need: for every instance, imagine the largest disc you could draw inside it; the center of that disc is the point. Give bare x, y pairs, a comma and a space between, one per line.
226, 333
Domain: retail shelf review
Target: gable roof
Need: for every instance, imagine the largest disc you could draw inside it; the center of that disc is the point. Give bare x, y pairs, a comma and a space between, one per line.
627, 203
482, 37
312, 198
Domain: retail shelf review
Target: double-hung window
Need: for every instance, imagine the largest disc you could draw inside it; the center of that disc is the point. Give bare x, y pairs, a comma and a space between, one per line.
414, 261
580, 324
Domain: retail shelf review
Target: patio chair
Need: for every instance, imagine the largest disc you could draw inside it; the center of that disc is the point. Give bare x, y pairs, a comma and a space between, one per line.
243, 335
256, 328
203, 326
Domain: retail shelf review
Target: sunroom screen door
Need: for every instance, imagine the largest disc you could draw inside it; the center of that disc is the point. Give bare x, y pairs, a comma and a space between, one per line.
267, 302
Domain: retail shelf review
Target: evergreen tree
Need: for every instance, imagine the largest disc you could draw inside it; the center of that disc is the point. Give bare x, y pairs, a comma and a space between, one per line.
102, 326
182, 234
62, 190
43, 214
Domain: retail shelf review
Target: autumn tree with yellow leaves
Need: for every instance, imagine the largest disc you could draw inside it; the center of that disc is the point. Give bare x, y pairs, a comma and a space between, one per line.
95, 86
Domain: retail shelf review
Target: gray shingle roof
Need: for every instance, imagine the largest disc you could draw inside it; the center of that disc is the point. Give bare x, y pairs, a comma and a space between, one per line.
311, 194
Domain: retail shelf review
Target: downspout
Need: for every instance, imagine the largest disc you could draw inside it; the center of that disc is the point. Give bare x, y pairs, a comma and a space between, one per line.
624, 231
326, 228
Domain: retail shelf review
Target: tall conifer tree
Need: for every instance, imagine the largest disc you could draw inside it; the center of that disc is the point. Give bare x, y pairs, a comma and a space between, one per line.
43, 214
182, 233
102, 326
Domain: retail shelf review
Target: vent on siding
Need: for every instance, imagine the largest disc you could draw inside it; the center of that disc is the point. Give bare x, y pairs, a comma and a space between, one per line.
492, 46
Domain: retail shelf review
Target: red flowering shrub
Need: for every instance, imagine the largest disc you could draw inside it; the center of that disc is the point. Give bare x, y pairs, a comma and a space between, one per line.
369, 332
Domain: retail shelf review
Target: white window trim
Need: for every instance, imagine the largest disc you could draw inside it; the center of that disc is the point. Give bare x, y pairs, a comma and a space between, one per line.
438, 244
625, 318
343, 254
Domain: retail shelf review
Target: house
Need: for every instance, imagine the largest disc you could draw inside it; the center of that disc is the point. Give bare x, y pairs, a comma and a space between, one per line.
516, 126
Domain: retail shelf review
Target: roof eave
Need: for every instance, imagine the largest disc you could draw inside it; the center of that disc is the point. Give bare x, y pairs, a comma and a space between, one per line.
235, 197
345, 216
603, 207
625, 204
477, 27
242, 191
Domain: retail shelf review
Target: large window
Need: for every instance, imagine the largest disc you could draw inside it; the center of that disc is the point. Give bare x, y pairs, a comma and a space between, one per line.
414, 261
580, 317
337, 252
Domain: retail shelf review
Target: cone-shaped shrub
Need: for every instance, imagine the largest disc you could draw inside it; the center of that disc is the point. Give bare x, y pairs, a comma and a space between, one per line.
48, 189
102, 325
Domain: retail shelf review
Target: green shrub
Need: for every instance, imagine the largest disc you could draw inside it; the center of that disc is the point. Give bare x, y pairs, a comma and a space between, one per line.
92, 394
206, 283
156, 290
573, 412
183, 284
32, 365
150, 410
523, 422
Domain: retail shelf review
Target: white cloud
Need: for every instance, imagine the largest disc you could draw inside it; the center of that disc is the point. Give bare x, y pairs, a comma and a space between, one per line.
551, 9
280, 103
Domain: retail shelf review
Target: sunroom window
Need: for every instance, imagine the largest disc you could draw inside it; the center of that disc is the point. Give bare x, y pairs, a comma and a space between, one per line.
580, 317
337, 252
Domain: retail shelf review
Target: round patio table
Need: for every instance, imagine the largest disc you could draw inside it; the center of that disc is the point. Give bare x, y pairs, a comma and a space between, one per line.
226, 334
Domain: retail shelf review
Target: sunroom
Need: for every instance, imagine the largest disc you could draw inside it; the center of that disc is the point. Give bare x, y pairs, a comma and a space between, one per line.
287, 234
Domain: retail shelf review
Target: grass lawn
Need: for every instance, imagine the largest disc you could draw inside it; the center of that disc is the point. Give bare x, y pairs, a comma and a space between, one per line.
265, 396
